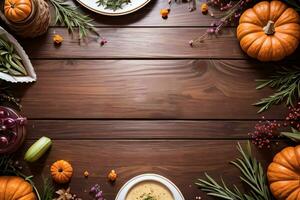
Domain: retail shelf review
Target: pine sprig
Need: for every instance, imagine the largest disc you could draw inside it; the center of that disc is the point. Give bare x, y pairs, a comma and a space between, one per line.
286, 81
252, 175
69, 16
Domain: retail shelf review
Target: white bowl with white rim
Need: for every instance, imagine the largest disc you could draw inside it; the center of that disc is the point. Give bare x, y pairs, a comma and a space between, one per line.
173, 189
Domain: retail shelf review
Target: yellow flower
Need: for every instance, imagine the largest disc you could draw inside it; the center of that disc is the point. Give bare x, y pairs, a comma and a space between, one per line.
58, 39
86, 174
164, 13
204, 8
112, 176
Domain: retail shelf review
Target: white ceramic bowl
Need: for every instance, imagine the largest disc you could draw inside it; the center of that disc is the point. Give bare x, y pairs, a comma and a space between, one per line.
149, 177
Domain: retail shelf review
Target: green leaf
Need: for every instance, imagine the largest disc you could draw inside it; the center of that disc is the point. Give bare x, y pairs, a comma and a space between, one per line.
294, 135
252, 175
286, 82
69, 15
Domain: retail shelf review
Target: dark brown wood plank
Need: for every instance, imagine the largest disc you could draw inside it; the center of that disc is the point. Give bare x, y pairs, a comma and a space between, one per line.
181, 161
138, 129
137, 43
150, 16
173, 89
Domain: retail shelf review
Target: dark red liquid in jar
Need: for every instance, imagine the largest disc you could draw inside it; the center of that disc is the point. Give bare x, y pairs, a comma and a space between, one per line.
12, 130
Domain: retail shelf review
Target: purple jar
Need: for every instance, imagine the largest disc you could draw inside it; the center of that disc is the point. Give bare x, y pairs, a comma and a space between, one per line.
12, 130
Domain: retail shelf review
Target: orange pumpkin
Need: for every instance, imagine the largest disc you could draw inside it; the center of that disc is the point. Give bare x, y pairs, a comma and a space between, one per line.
17, 10
61, 171
283, 174
15, 188
269, 31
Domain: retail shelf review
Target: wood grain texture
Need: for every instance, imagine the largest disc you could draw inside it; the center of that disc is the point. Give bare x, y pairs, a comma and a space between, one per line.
138, 129
148, 43
150, 89
136, 43
181, 161
150, 16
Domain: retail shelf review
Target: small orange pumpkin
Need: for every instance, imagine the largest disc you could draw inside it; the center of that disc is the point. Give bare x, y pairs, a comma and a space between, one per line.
14, 187
61, 171
283, 174
269, 31
17, 10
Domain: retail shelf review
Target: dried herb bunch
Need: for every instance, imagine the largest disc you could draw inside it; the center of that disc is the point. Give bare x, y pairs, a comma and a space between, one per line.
252, 175
68, 15
113, 4
286, 82
7, 97
10, 61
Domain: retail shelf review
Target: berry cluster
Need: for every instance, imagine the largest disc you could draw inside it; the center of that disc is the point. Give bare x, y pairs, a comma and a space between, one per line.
264, 132
293, 117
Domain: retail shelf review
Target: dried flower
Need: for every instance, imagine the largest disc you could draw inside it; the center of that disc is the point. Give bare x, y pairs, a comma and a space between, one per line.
66, 195
97, 192
58, 39
264, 132
164, 13
112, 176
86, 174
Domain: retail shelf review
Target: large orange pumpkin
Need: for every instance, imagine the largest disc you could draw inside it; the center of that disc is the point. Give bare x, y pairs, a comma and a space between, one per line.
17, 10
283, 174
15, 188
269, 31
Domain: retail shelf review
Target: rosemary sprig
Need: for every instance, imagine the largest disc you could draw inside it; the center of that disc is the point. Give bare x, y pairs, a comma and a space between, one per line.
48, 190
252, 175
113, 4
286, 81
10, 61
69, 16
293, 135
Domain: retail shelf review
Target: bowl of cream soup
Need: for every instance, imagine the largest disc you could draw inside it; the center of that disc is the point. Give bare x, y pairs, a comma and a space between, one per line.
149, 187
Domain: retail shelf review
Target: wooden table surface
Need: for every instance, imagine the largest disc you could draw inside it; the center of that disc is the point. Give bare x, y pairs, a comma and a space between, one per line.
146, 102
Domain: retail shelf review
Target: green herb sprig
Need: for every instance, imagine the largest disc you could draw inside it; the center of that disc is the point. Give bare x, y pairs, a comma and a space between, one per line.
286, 81
10, 61
113, 4
48, 190
293, 135
252, 175
68, 15
7, 97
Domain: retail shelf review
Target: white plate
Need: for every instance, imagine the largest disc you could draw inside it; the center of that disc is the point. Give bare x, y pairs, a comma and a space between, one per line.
149, 177
128, 8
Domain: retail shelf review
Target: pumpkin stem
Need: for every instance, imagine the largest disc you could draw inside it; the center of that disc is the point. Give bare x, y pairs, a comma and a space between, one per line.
269, 29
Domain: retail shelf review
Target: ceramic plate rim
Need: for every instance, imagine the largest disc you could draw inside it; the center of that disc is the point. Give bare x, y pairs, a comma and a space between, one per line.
112, 14
149, 177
